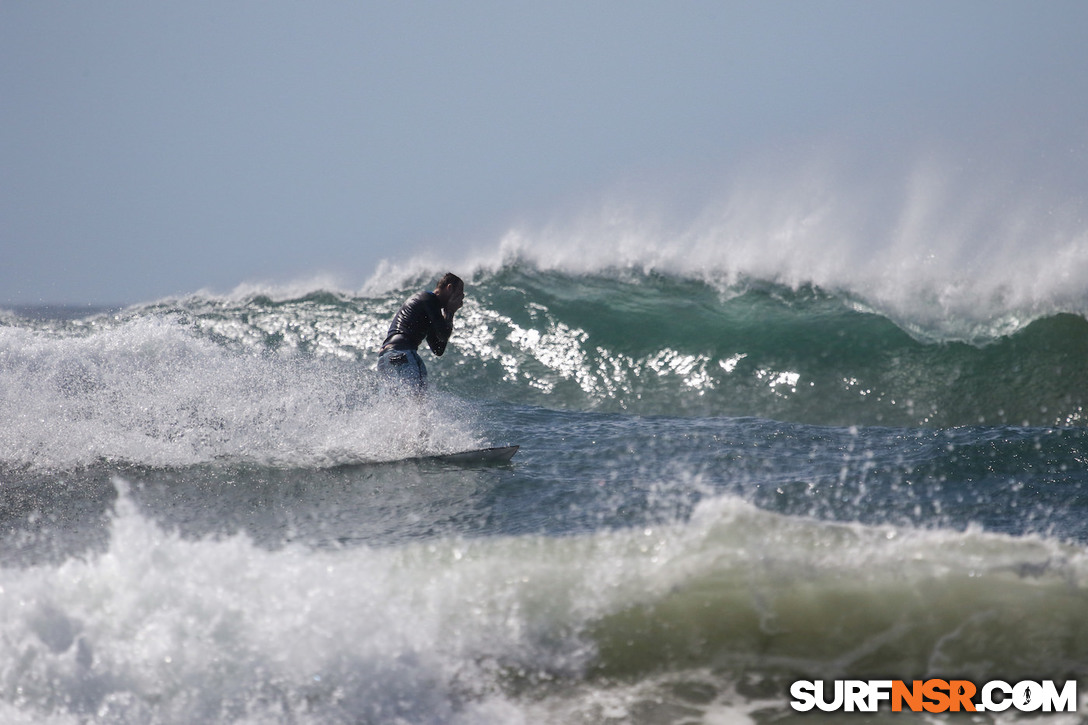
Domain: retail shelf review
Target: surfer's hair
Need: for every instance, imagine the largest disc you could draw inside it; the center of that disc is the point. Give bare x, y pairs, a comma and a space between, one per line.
449, 278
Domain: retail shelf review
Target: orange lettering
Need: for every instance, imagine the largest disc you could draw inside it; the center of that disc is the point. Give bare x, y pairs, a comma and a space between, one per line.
913, 696
961, 692
932, 689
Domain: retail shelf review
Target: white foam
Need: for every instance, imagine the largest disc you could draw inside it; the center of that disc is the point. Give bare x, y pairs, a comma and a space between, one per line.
165, 629
162, 629
150, 391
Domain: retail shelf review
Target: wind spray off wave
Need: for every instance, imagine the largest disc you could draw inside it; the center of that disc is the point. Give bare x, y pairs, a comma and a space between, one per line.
963, 245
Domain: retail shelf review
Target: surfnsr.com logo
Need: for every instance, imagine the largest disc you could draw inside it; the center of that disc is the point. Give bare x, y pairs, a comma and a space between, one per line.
933, 696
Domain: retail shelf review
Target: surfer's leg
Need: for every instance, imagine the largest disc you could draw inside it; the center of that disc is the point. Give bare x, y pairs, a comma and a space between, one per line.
421, 372
405, 376
404, 369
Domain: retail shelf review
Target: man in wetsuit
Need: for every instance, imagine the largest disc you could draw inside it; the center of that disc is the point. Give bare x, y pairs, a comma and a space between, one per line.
425, 316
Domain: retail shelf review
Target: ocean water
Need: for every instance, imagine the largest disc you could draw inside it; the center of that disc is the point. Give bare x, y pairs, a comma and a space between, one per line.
727, 482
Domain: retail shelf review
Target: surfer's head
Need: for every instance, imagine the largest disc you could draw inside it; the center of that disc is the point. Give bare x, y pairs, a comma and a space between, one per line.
450, 287
449, 278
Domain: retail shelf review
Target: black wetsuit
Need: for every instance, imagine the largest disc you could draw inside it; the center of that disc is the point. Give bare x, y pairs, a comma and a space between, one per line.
421, 317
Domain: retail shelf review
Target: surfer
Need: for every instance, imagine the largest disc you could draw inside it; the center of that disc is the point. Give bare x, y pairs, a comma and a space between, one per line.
424, 316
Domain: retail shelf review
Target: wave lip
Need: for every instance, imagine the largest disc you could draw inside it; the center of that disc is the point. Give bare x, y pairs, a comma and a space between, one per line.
952, 244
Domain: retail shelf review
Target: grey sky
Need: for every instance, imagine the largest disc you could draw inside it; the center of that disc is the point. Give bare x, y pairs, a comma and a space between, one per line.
150, 149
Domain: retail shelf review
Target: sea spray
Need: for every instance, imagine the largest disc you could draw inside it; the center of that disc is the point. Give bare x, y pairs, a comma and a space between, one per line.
149, 389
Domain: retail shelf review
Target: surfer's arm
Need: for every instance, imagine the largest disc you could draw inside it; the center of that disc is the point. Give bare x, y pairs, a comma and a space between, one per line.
441, 327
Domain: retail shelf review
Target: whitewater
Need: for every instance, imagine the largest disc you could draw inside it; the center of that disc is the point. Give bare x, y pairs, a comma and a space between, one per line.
756, 448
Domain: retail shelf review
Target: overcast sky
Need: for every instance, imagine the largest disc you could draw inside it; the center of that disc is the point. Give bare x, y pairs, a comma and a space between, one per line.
152, 149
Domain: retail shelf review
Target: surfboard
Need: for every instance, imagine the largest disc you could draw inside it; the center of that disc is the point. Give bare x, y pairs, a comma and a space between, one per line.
476, 456
496, 454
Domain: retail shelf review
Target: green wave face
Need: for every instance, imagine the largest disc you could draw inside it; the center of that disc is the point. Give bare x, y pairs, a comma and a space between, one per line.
649, 344
656, 345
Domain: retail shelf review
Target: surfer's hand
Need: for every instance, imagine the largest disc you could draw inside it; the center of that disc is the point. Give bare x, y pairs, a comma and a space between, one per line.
455, 302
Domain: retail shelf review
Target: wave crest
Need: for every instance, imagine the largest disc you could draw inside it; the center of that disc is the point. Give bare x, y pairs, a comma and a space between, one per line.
625, 340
